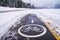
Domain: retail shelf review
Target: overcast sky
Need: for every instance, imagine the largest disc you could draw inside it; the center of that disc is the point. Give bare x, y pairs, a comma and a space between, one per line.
42, 2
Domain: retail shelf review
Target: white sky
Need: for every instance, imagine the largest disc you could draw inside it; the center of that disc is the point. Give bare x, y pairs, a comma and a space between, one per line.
41, 2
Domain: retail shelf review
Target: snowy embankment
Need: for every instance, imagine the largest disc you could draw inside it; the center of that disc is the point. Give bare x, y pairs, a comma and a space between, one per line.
8, 17
7, 9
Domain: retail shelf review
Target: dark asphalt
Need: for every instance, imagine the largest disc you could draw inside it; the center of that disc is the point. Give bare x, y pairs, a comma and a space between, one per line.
24, 21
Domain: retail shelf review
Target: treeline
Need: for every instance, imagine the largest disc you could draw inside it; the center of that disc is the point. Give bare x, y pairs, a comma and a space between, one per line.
15, 3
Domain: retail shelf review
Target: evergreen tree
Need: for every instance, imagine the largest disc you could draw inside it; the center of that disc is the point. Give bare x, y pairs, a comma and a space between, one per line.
15, 3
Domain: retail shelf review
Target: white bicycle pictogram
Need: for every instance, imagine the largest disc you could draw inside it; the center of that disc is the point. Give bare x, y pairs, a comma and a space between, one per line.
32, 27
36, 29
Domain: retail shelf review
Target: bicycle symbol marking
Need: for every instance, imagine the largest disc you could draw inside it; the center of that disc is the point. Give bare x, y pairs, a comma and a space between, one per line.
34, 28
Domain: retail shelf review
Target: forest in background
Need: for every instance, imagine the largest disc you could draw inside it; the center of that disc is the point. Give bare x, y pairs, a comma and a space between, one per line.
15, 3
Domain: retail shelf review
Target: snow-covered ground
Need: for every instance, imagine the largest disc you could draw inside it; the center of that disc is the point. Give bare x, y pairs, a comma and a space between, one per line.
8, 18
11, 9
